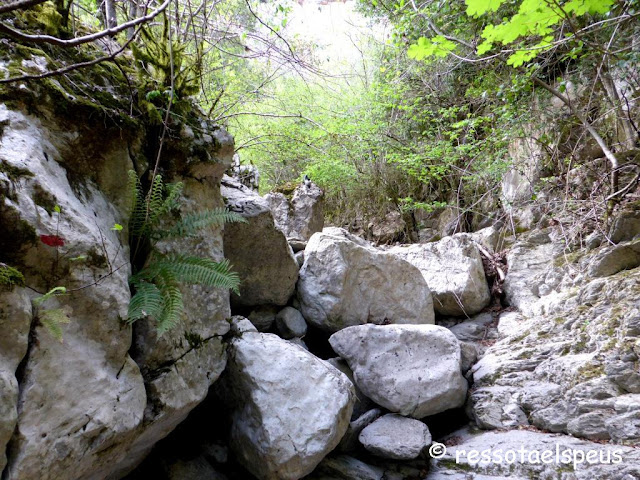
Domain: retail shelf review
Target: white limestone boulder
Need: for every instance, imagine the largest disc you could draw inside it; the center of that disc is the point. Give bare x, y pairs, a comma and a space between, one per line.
258, 250
413, 370
345, 281
452, 267
301, 215
289, 408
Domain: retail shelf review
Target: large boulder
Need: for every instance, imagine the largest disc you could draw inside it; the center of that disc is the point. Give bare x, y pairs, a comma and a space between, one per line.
300, 215
258, 250
413, 370
452, 267
388, 229
289, 409
345, 281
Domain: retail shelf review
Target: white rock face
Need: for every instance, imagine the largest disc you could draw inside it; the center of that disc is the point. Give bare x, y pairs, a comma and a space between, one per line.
289, 408
527, 260
452, 267
84, 411
181, 365
303, 215
80, 398
614, 462
567, 362
258, 251
344, 281
15, 321
413, 370
396, 437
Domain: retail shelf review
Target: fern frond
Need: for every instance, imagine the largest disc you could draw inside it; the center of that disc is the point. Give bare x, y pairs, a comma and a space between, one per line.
190, 223
54, 291
154, 201
138, 212
200, 271
53, 320
162, 199
172, 307
147, 301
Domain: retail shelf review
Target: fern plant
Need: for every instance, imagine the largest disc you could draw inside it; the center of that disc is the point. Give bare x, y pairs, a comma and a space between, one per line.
52, 318
157, 285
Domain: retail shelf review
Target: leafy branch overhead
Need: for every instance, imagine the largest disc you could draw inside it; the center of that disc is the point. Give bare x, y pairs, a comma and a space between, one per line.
525, 34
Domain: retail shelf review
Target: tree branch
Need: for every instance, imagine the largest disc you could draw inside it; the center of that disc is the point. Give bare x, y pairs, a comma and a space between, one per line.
110, 32
592, 131
18, 4
73, 67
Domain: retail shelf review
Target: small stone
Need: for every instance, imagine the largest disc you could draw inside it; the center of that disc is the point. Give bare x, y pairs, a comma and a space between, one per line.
290, 323
396, 437
263, 317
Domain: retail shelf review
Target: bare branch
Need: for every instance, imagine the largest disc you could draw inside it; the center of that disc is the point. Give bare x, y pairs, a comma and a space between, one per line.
588, 126
73, 67
18, 4
110, 32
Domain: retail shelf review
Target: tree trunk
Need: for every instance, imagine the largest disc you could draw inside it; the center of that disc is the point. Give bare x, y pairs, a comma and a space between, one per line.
587, 125
110, 13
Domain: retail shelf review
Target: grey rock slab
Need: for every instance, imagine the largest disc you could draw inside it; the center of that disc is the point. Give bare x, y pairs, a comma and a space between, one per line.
301, 215
350, 440
626, 226
258, 250
613, 259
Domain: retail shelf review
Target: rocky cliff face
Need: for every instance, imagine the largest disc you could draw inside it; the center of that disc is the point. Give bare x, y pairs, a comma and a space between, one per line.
339, 370
93, 404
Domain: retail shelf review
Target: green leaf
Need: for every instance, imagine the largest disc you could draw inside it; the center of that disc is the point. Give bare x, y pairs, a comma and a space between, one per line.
437, 46
592, 7
57, 209
147, 301
117, 227
484, 47
191, 223
153, 94
480, 7
53, 320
